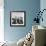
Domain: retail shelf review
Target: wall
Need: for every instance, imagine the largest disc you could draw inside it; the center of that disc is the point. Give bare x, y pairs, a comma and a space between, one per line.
43, 6
30, 6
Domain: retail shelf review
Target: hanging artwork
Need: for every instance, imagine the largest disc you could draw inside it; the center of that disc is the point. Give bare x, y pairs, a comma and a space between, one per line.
17, 18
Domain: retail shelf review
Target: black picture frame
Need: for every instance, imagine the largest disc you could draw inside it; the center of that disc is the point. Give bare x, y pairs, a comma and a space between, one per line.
17, 18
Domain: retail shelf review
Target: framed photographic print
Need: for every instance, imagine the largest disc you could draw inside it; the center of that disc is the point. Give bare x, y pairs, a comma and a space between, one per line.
17, 18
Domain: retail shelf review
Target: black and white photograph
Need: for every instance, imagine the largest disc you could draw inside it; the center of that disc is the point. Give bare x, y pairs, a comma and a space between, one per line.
17, 18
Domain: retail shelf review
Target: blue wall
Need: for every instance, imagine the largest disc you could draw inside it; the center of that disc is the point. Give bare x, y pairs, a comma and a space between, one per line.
43, 6
30, 6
